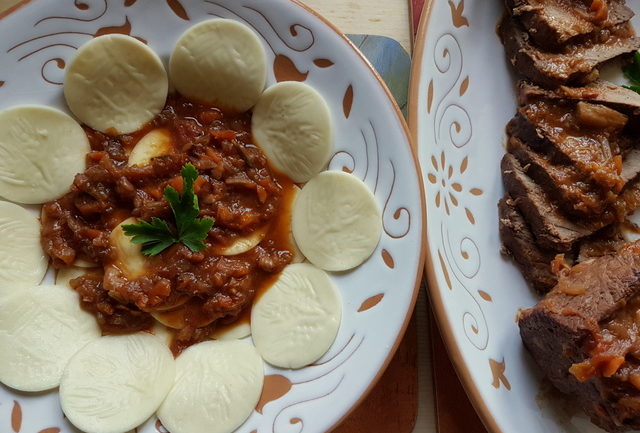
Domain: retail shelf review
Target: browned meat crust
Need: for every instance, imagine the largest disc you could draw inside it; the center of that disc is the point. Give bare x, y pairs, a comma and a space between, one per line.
559, 331
554, 23
518, 241
574, 65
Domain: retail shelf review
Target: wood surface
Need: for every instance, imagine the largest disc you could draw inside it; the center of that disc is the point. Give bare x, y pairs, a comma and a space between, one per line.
454, 412
392, 406
369, 17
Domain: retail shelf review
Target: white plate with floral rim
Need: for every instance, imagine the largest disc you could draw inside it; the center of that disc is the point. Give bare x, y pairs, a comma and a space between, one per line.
37, 39
462, 95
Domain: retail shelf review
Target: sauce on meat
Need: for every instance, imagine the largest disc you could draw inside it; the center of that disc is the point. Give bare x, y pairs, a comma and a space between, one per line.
200, 290
593, 150
616, 339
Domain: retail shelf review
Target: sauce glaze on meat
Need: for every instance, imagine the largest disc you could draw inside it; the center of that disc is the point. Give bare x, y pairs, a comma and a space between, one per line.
236, 187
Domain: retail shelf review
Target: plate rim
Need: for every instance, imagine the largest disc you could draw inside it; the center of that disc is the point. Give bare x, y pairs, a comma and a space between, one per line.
413, 148
445, 327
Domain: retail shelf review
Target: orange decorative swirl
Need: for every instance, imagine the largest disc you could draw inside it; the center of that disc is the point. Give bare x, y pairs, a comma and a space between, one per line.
298, 32
81, 6
298, 420
60, 63
398, 212
450, 116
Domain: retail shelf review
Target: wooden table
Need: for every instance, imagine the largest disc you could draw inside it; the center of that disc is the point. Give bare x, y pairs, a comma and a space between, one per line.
375, 17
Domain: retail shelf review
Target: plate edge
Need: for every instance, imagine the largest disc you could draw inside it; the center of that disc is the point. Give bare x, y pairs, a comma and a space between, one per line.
433, 289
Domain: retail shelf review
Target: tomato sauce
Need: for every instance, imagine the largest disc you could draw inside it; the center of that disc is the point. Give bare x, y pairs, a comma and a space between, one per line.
194, 291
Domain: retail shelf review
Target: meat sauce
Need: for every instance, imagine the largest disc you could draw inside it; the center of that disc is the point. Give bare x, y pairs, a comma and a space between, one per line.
594, 150
198, 291
616, 339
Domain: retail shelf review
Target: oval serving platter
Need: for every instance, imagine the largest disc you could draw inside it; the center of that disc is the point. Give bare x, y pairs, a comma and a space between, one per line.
462, 96
37, 40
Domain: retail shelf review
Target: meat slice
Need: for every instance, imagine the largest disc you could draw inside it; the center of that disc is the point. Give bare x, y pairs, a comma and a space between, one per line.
600, 92
574, 65
562, 330
553, 23
558, 129
519, 243
567, 187
551, 228
562, 182
606, 241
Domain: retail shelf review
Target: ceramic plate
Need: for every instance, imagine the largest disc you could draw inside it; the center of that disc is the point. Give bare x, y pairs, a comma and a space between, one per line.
462, 97
38, 38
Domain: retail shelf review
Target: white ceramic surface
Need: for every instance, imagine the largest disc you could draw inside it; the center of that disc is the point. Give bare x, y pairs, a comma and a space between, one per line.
463, 94
37, 41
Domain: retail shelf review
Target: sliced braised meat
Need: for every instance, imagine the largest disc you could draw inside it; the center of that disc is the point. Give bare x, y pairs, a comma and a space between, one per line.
574, 65
600, 92
563, 183
568, 188
519, 243
559, 129
577, 325
553, 23
551, 228
606, 241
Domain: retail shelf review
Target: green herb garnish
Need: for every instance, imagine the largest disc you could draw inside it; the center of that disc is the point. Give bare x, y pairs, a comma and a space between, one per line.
157, 236
632, 72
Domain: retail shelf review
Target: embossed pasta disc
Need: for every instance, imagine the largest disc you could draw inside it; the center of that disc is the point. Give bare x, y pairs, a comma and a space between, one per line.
234, 332
162, 332
41, 150
292, 124
243, 243
154, 144
22, 259
115, 84
65, 275
130, 259
115, 383
220, 62
298, 257
296, 321
81, 263
41, 328
337, 222
218, 385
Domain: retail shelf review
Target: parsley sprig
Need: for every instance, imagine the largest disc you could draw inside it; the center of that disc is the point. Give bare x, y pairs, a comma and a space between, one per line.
156, 236
632, 72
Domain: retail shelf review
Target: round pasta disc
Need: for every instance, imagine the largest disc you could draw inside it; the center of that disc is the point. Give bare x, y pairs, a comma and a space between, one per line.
220, 62
292, 125
115, 383
41, 328
296, 321
218, 385
41, 151
115, 84
163, 333
298, 257
22, 260
237, 331
242, 244
337, 222
65, 275
130, 260
154, 144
